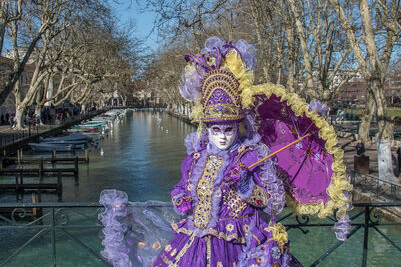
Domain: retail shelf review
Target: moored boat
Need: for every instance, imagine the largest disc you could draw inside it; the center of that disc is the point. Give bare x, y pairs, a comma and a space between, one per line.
50, 147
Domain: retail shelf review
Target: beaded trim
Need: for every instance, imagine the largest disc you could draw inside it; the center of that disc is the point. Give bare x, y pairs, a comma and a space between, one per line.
220, 235
221, 112
220, 79
259, 197
204, 191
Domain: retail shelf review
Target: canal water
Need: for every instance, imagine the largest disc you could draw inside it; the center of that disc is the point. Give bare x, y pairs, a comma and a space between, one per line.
142, 155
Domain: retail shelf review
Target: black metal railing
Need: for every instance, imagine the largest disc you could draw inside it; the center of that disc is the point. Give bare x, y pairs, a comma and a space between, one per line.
376, 186
10, 138
47, 220
44, 220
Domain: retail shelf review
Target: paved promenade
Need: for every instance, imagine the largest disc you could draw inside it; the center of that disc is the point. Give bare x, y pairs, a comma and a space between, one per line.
19, 138
371, 150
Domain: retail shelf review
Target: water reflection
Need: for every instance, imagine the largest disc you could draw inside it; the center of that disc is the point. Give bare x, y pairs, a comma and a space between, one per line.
141, 155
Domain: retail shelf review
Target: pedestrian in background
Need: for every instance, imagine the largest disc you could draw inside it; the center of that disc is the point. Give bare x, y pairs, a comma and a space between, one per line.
11, 121
360, 148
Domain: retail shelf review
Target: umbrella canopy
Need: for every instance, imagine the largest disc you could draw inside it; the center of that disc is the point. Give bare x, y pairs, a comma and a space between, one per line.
312, 169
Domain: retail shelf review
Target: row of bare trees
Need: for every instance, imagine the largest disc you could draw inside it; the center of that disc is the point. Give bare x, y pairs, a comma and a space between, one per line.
78, 51
312, 47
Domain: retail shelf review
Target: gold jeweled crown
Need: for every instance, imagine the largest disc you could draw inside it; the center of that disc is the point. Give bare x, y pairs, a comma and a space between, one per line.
220, 97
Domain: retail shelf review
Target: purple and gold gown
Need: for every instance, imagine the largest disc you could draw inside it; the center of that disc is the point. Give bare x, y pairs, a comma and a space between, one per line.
224, 226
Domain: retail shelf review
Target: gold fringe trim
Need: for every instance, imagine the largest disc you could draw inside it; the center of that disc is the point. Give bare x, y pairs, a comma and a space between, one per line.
280, 235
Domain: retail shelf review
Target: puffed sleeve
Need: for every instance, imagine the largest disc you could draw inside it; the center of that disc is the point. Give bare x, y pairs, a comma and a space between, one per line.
260, 186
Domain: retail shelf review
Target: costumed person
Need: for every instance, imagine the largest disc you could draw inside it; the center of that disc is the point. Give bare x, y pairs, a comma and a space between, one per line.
230, 178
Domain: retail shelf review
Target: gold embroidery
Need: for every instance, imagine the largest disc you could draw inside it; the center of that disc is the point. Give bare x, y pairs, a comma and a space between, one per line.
166, 260
168, 248
229, 227
241, 148
208, 251
182, 252
258, 198
141, 245
173, 252
241, 165
189, 185
213, 232
219, 264
204, 191
156, 245
232, 218
240, 154
257, 239
234, 202
246, 228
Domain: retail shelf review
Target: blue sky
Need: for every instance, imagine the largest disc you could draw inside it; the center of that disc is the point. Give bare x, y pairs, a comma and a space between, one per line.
127, 11
130, 11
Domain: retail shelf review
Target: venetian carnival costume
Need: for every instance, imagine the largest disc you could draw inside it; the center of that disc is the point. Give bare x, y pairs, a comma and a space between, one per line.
223, 193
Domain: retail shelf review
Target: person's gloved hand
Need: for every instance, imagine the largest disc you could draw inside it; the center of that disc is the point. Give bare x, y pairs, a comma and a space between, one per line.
184, 204
243, 184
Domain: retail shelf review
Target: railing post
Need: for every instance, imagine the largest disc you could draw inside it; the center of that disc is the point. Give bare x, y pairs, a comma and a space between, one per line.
86, 155
53, 235
53, 157
59, 185
16, 183
40, 167
365, 237
18, 159
76, 170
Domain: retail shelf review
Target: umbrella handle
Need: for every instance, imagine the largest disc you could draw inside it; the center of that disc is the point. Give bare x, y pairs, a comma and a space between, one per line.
275, 152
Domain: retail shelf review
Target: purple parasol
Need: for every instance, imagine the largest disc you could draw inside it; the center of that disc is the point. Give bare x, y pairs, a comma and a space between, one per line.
304, 167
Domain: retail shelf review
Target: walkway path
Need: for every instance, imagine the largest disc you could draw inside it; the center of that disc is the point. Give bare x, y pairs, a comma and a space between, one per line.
10, 136
371, 150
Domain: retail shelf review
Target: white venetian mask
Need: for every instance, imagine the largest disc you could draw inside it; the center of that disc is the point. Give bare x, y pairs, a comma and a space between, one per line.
222, 135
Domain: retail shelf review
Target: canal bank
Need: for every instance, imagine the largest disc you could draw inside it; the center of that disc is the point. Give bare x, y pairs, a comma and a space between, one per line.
17, 139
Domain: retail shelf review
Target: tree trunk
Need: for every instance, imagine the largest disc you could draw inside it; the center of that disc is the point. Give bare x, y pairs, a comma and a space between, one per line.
364, 127
50, 91
19, 117
385, 134
385, 126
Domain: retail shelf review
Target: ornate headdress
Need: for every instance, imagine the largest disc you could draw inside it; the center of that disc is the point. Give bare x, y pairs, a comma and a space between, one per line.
210, 79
